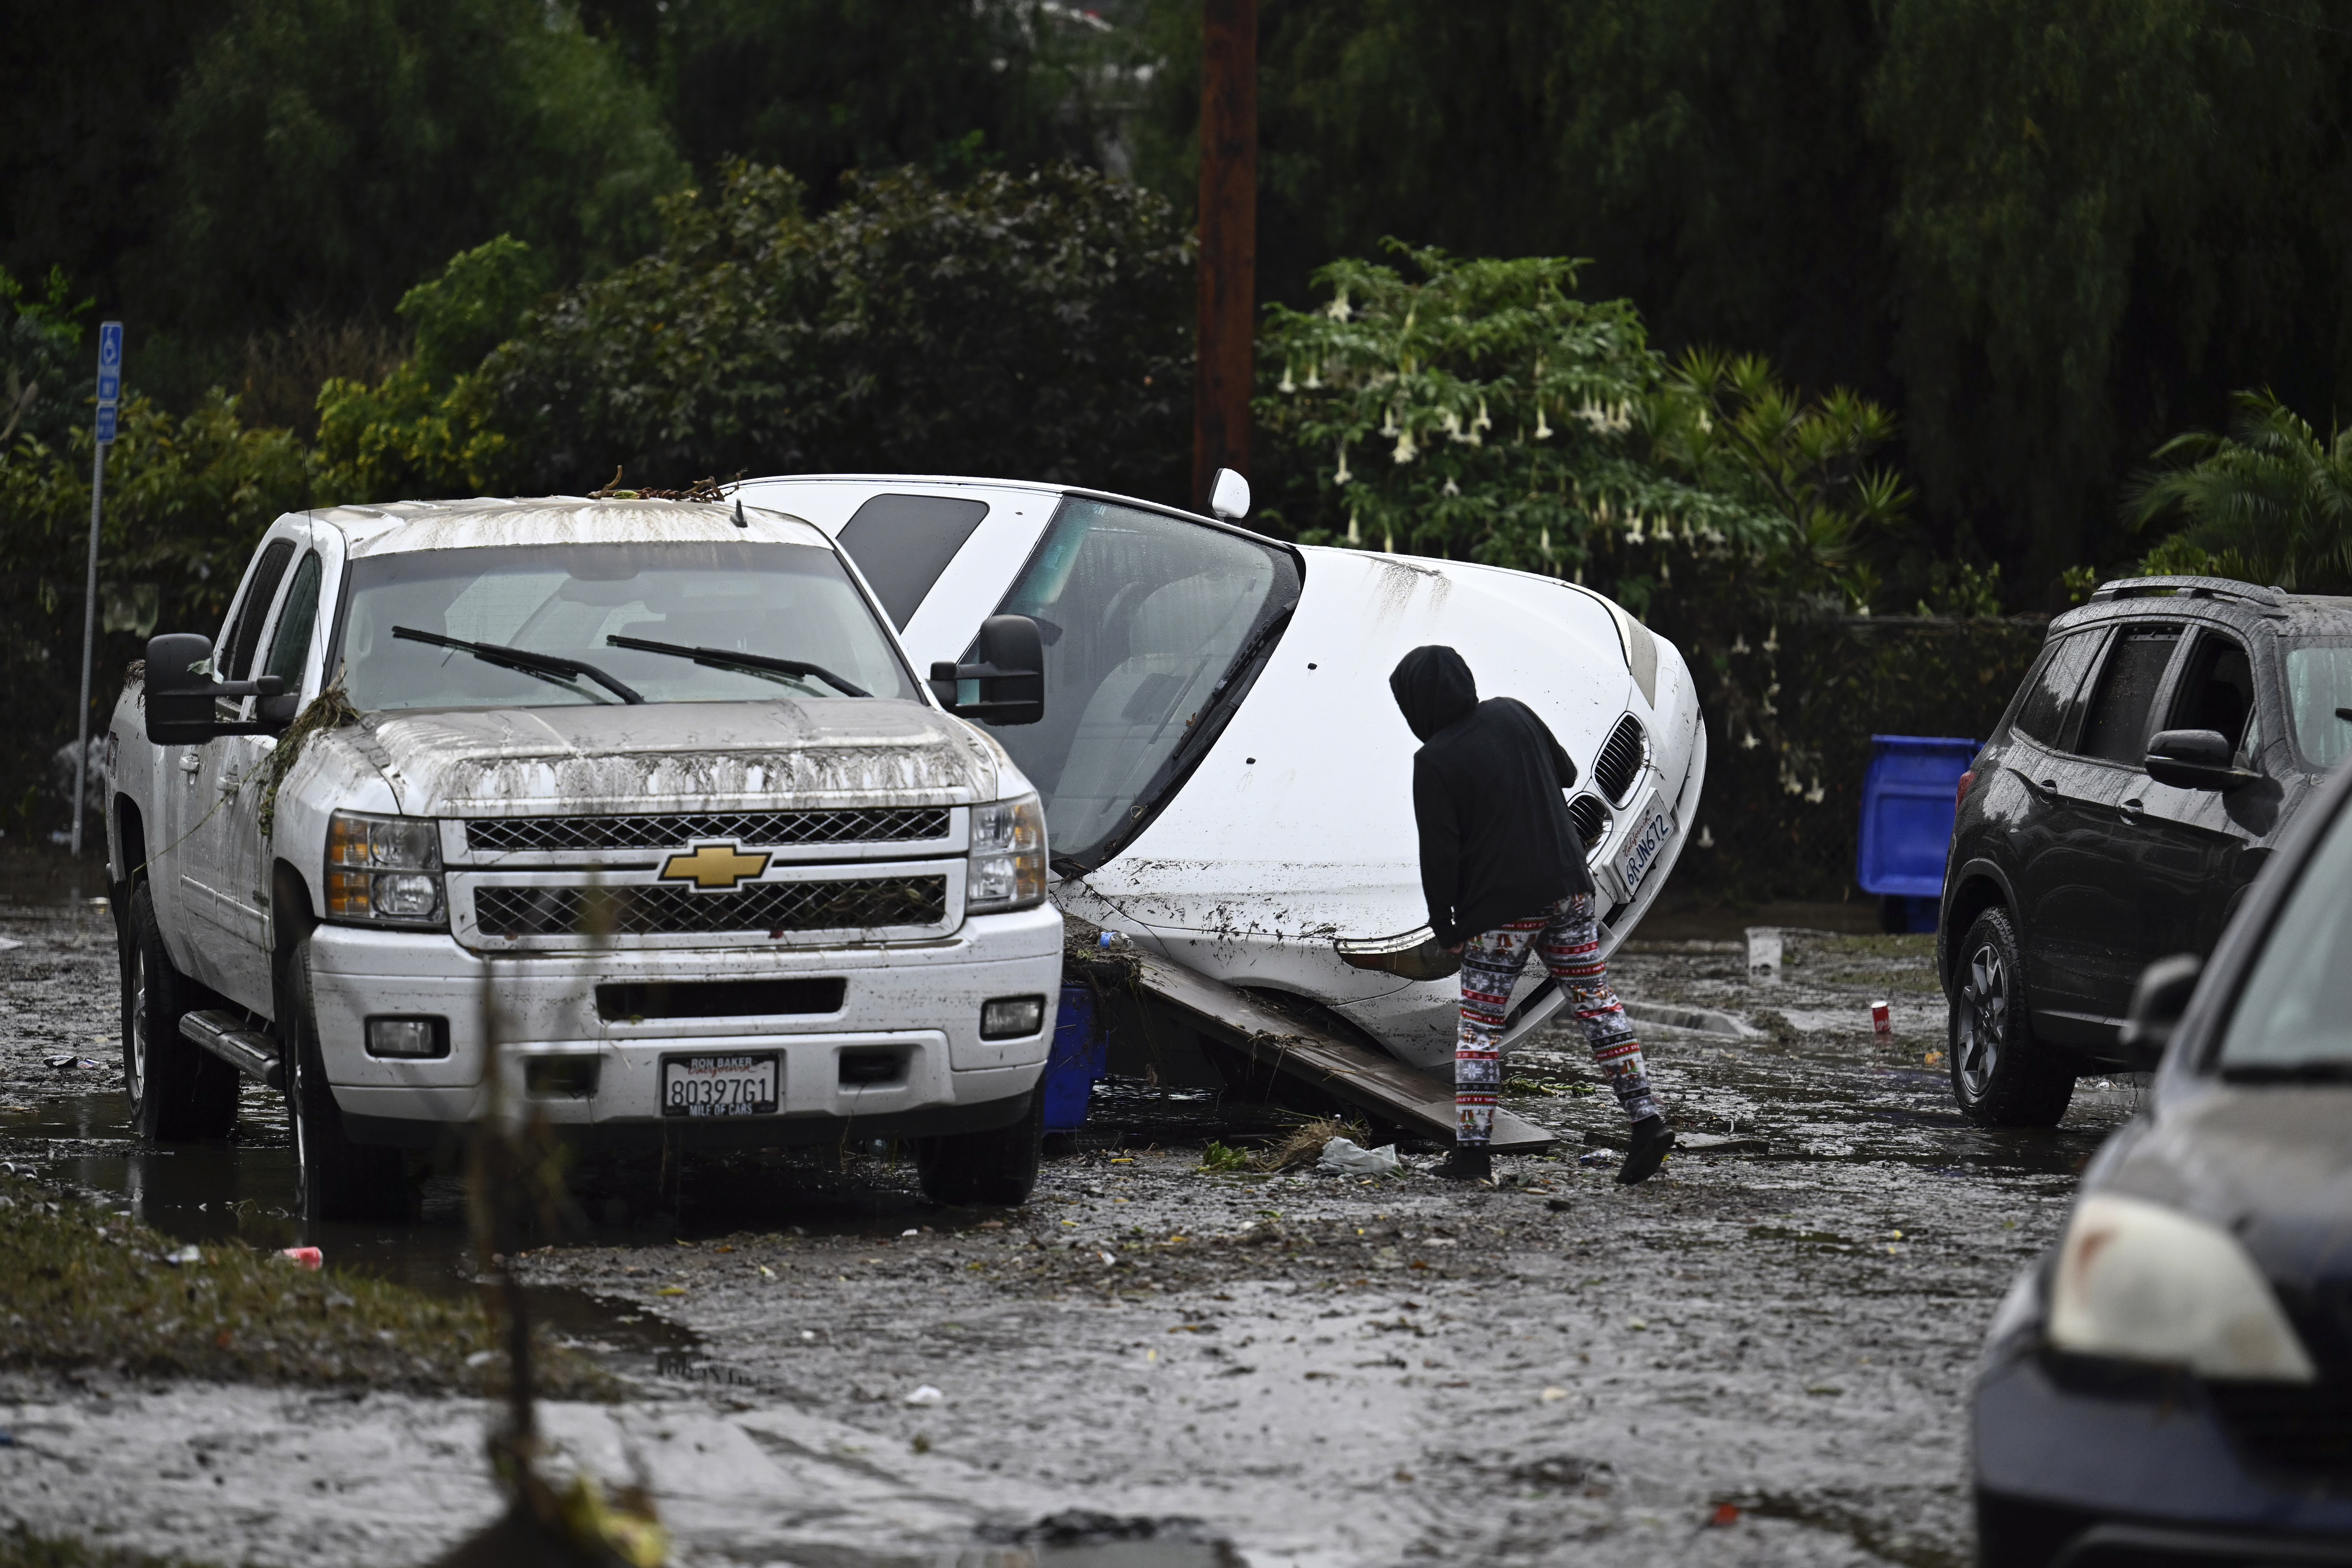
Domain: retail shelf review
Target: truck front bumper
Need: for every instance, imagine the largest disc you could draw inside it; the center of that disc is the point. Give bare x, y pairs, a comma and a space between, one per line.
919, 1004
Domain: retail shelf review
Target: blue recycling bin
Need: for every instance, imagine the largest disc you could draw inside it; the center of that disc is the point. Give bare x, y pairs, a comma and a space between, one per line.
1078, 1056
1907, 804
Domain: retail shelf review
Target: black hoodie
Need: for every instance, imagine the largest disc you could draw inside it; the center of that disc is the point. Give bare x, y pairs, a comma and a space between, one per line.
1496, 843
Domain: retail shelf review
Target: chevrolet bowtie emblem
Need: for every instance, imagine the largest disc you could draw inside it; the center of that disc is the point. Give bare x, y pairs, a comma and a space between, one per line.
713, 866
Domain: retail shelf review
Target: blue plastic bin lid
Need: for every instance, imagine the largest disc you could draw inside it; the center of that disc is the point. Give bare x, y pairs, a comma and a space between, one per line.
1907, 808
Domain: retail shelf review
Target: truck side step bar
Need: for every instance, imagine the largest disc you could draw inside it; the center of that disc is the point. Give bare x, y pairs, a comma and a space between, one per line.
250, 1051
1340, 1067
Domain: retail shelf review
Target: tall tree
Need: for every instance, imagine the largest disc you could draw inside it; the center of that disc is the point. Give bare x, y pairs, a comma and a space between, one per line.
327, 153
823, 87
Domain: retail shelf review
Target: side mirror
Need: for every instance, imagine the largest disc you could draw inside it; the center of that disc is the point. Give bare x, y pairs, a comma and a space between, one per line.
1229, 496
1010, 674
182, 692
2157, 1004
2195, 759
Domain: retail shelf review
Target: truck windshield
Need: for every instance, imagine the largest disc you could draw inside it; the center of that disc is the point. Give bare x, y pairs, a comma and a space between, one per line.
789, 604
2294, 1014
1151, 625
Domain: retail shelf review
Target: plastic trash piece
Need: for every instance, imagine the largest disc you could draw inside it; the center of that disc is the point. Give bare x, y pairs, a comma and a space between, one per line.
308, 1256
1882, 1021
1726, 1515
1764, 952
1113, 941
1598, 1157
188, 1254
59, 1063
1350, 1159
926, 1395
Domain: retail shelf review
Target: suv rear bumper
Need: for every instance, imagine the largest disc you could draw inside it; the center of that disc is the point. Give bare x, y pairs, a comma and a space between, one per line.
919, 1004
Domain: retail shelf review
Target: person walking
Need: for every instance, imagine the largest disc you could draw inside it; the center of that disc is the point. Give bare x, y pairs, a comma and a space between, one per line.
1503, 869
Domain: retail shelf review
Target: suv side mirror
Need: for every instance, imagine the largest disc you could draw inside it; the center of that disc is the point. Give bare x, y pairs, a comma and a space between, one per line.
1229, 496
1010, 674
182, 690
2195, 759
2157, 1004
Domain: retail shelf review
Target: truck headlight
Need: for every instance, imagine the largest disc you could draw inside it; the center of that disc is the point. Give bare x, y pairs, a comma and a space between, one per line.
1008, 856
2138, 1281
385, 870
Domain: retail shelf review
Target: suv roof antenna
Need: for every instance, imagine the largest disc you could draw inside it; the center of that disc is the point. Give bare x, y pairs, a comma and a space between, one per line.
741, 521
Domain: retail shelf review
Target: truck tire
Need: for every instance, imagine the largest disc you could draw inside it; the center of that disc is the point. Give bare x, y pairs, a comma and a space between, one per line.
334, 1178
178, 1090
2001, 1076
998, 1166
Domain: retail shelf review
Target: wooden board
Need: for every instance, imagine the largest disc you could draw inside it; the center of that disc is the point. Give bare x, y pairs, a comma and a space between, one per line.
1379, 1084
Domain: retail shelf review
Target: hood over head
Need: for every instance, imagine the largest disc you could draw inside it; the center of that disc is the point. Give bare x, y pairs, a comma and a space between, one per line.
1435, 686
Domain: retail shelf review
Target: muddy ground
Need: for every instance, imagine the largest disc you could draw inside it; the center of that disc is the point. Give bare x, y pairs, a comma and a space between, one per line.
1319, 1370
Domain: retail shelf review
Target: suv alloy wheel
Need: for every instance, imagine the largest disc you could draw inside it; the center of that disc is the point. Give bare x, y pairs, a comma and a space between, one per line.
2001, 1077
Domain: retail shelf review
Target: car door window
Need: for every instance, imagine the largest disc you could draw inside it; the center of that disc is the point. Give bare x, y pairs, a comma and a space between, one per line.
902, 543
235, 662
2116, 728
291, 641
2051, 689
2217, 692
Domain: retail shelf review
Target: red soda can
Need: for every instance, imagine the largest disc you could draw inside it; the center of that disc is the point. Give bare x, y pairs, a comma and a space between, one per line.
1882, 1023
308, 1256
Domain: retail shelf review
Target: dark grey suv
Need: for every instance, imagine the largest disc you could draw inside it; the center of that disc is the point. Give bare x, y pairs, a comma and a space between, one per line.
2140, 778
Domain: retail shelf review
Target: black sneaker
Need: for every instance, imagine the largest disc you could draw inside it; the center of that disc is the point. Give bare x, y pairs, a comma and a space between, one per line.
1468, 1162
1653, 1141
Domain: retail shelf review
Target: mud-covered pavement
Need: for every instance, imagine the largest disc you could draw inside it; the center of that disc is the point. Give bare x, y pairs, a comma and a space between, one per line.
1320, 1369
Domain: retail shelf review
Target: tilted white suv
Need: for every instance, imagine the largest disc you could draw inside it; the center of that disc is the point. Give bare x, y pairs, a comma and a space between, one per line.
645, 794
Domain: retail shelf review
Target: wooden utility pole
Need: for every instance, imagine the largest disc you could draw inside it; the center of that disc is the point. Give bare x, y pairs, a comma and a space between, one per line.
1224, 346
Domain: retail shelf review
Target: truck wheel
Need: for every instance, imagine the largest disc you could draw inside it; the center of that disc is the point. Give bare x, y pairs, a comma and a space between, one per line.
998, 1166
2000, 1075
334, 1178
178, 1090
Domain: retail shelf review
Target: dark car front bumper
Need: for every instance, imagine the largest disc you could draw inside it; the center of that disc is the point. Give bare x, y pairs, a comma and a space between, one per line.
2082, 1467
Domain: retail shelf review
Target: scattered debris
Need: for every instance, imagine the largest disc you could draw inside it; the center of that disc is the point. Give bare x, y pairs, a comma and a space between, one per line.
308, 1256
926, 1395
1349, 1158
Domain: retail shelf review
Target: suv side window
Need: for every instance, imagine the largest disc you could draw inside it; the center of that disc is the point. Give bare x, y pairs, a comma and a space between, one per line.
2115, 730
2218, 691
2051, 687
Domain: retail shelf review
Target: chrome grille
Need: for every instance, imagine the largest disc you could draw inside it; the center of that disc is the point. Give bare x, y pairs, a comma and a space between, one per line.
1619, 765
878, 825
1592, 819
863, 903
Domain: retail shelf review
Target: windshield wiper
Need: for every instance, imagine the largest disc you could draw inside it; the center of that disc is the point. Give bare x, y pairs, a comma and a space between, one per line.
2317, 1069
546, 666
757, 663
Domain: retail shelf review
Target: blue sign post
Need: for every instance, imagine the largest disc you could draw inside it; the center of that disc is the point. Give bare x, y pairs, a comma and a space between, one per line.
109, 397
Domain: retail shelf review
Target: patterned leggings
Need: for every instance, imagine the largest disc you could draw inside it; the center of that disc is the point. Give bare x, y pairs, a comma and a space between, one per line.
1569, 938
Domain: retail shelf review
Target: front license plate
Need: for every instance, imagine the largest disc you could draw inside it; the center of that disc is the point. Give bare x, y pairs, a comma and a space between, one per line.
1644, 849
740, 1084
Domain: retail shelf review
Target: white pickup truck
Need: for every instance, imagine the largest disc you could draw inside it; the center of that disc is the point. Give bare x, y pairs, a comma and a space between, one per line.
641, 799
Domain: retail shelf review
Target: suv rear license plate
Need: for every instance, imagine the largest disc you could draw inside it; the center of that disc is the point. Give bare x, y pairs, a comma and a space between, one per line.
741, 1084
1643, 848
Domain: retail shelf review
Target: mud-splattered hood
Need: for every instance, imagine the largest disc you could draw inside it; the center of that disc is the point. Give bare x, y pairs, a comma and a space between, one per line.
768, 755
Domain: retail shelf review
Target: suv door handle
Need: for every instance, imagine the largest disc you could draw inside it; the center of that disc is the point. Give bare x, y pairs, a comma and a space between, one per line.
2131, 810
190, 761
